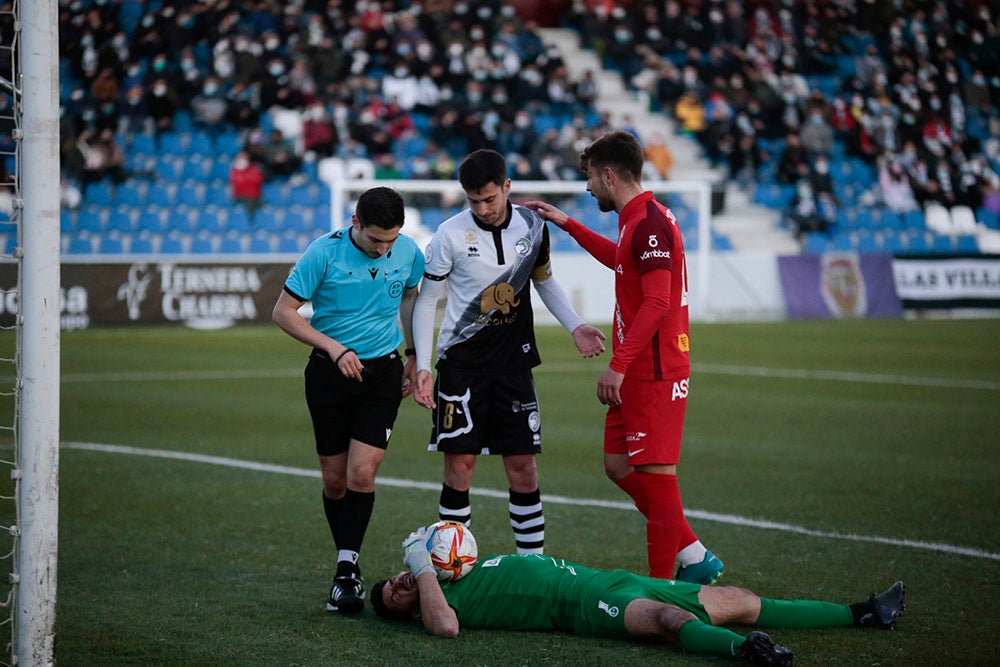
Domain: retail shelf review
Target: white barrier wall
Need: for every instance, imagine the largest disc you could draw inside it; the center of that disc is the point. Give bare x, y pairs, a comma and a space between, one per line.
741, 286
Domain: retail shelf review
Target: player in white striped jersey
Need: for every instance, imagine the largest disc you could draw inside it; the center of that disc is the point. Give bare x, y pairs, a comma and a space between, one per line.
484, 261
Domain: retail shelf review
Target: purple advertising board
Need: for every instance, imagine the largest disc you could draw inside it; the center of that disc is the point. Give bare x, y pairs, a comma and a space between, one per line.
839, 285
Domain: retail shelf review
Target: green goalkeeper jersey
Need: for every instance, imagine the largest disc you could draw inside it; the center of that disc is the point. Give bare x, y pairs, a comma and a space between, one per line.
537, 592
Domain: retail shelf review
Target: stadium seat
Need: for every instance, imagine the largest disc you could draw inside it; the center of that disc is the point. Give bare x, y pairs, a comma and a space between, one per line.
987, 217
231, 245
99, 194
196, 169
303, 195
842, 243
238, 220
90, 220
209, 220
914, 220
917, 243
80, 245
963, 220
967, 244
289, 244
202, 245
938, 219
179, 220
892, 242
130, 194
172, 143
143, 143
219, 169
295, 221
260, 244
160, 194
120, 220
942, 245
67, 220
150, 221
172, 244
110, 245
815, 243
274, 194
141, 245
266, 219
228, 144
869, 243
217, 195
166, 168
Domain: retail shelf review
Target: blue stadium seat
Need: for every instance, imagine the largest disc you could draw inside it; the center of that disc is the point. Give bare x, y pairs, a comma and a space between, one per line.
120, 220
274, 194
202, 245
217, 195
231, 245
228, 144
143, 143
90, 220
196, 169
166, 168
987, 217
179, 220
160, 194
80, 245
130, 194
869, 243
260, 244
916, 243
150, 221
172, 244
914, 220
141, 245
842, 243
892, 242
209, 220
99, 194
173, 143
110, 245
238, 220
219, 170
967, 244
304, 195
67, 220
289, 244
295, 221
815, 243
942, 245
265, 219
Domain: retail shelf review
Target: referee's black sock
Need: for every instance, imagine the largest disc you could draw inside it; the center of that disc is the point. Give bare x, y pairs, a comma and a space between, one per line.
355, 513
454, 506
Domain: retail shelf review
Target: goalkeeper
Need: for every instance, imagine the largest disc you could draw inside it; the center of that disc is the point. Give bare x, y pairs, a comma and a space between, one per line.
536, 592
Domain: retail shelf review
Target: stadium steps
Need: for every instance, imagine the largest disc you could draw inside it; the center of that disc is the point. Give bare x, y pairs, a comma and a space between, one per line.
748, 225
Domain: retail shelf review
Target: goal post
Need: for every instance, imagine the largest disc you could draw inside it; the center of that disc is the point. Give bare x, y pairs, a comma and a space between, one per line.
694, 194
37, 194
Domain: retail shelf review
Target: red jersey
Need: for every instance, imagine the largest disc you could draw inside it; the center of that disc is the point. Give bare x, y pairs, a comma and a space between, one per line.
651, 330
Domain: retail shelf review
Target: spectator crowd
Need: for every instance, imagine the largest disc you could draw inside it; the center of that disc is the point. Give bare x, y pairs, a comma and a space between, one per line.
772, 90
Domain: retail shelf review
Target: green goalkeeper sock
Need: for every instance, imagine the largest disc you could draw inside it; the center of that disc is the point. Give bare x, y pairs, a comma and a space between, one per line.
700, 637
803, 614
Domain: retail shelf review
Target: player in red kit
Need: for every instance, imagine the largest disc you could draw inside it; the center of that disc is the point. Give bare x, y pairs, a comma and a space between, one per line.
646, 383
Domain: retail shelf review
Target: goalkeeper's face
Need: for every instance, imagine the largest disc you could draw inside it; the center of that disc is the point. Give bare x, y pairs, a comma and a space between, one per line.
400, 594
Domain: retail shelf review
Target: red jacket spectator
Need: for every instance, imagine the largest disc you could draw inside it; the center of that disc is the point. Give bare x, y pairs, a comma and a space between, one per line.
246, 180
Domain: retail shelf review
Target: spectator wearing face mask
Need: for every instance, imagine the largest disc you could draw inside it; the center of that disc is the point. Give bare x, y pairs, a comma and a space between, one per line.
209, 107
162, 103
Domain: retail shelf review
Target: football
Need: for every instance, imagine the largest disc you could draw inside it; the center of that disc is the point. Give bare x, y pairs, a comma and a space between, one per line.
453, 550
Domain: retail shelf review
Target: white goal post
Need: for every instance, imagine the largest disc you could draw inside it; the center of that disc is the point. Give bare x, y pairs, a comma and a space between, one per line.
696, 194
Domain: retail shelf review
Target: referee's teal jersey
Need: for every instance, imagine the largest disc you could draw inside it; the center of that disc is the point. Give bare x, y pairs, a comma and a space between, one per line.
355, 298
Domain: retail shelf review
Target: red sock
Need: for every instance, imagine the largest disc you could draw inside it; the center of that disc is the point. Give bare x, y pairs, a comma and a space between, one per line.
666, 526
631, 485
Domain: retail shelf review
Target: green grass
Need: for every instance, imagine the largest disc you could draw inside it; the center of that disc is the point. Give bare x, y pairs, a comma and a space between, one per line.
179, 562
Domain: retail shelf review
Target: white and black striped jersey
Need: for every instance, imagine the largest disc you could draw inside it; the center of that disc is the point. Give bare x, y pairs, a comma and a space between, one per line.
488, 322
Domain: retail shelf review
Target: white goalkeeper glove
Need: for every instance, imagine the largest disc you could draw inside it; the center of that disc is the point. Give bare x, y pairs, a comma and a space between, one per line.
415, 553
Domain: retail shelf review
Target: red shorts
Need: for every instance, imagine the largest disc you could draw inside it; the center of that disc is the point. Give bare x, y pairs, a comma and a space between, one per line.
648, 425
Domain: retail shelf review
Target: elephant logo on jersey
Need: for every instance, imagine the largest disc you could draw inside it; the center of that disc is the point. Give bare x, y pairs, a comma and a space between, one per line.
499, 297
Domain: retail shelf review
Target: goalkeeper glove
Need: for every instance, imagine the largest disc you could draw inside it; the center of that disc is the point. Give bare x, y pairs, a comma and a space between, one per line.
415, 553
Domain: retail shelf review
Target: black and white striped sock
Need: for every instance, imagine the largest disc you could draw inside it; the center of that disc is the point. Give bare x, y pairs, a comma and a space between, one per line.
528, 522
454, 506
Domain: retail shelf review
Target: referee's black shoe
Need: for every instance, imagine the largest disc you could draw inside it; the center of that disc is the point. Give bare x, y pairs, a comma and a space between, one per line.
347, 595
760, 649
881, 611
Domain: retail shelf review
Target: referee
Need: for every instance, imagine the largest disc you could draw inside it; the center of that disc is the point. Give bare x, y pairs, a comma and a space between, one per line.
361, 281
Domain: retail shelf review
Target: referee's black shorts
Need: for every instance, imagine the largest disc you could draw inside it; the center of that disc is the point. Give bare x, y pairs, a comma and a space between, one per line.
343, 409
485, 413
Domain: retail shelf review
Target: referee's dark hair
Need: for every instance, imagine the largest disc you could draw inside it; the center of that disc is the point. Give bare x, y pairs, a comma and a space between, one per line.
380, 207
619, 150
481, 167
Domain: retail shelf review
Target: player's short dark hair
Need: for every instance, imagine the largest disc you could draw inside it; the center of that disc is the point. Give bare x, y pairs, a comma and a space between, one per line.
378, 604
617, 149
481, 167
380, 207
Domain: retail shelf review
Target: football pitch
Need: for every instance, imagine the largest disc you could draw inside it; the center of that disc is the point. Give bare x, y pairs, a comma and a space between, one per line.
821, 460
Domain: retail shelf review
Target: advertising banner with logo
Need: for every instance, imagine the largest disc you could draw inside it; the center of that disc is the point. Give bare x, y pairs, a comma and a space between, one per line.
204, 295
948, 282
841, 285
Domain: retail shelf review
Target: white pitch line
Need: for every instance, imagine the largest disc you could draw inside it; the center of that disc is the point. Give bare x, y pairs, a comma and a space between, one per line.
558, 500
708, 369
